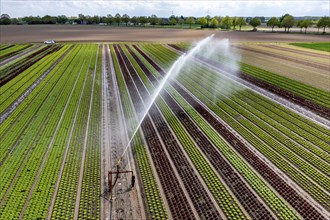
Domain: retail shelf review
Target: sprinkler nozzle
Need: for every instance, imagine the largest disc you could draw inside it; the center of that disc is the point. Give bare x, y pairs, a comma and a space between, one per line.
119, 160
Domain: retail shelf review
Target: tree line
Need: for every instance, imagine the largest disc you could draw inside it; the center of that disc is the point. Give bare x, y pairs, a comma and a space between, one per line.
286, 21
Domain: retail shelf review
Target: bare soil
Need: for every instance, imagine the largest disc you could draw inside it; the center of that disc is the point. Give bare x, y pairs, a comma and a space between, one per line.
94, 33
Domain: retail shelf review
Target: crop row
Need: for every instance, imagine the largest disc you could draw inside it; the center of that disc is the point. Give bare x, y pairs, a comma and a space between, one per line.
290, 138
306, 91
11, 71
11, 50
66, 197
90, 190
154, 203
16, 124
300, 122
271, 136
174, 194
282, 136
287, 88
175, 116
225, 170
276, 130
15, 88
46, 183
272, 155
5, 46
13, 147
39, 149
279, 189
185, 170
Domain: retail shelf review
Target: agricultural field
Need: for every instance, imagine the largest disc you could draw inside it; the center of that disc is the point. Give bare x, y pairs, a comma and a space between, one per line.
239, 136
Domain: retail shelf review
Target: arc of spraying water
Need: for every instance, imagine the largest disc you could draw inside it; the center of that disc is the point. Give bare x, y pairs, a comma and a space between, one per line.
175, 68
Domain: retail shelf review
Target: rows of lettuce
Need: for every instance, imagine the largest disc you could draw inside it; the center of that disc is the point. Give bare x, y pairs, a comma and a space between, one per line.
297, 146
228, 203
154, 203
37, 138
13, 89
9, 50
308, 92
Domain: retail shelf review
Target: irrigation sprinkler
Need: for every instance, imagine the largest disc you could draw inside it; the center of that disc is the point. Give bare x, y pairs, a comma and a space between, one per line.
176, 67
116, 173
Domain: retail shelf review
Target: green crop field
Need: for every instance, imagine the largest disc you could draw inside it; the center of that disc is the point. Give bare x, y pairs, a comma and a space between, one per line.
221, 141
316, 46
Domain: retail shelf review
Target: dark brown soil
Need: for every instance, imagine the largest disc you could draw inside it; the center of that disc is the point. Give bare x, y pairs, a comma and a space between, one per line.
94, 33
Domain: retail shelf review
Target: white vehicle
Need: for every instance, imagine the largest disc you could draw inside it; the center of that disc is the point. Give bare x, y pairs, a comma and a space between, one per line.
50, 42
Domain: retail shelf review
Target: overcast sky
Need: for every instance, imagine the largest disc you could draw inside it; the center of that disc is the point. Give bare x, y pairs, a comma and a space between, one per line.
21, 8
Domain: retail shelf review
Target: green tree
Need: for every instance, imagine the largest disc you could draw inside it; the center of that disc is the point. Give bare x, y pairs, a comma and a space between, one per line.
117, 18
109, 19
181, 21
300, 24
241, 22
95, 19
202, 21
283, 16
5, 19
287, 22
173, 21
208, 18
306, 24
190, 21
81, 18
227, 22
254, 23
235, 19
62, 19
173, 17
273, 22
214, 23
323, 23
143, 20
134, 20
153, 19
125, 18
14, 21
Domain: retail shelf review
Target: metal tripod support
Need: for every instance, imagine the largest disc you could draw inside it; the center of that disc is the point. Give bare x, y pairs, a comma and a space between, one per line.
117, 172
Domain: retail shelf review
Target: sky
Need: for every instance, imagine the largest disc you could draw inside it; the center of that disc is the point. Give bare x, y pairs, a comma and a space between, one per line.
165, 8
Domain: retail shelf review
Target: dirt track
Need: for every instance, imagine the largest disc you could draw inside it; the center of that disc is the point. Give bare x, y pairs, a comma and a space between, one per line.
40, 33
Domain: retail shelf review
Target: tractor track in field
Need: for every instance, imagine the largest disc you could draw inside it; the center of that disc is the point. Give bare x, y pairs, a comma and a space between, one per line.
122, 204
15, 57
304, 208
105, 160
5, 114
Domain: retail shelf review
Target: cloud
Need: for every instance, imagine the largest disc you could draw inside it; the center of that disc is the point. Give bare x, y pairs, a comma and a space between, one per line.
164, 8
